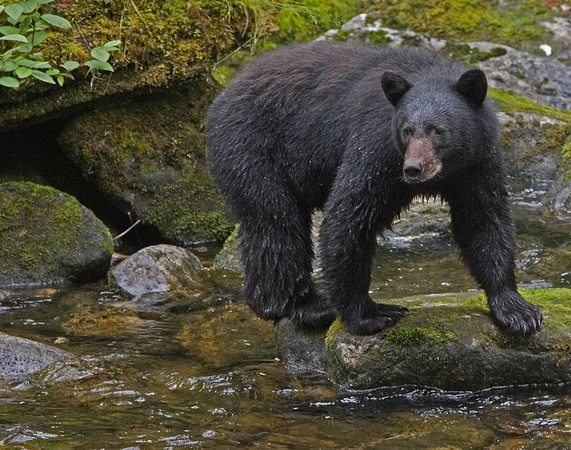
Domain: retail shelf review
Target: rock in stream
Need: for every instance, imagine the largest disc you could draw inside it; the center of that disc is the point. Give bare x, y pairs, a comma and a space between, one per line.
445, 341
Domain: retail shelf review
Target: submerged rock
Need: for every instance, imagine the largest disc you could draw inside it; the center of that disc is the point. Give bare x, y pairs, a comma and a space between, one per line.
449, 342
48, 237
20, 357
158, 269
225, 336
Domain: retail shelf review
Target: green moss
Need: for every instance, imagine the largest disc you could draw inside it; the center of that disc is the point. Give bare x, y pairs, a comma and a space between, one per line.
413, 336
566, 153
510, 102
152, 157
334, 330
46, 234
512, 22
162, 42
470, 55
304, 20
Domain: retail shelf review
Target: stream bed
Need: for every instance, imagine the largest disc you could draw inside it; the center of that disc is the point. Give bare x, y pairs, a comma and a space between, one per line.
212, 378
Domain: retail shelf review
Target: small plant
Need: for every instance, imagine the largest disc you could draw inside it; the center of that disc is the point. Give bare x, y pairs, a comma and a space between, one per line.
22, 25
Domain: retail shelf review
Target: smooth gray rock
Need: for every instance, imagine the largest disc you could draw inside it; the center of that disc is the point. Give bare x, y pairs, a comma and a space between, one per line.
20, 357
158, 269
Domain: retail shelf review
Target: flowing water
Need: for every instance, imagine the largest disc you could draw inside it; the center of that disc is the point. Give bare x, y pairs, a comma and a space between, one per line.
153, 377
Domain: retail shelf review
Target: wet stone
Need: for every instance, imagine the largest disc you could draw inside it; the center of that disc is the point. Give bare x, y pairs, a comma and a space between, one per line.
164, 270
20, 357
445, 341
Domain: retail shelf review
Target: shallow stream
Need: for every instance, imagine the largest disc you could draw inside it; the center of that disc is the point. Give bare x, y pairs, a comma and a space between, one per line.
211, 378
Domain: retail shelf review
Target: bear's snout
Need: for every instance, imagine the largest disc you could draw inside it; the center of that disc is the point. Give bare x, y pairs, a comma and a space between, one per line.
413, 170
421, 162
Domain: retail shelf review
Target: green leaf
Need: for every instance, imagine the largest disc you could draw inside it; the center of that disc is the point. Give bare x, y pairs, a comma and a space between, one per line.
41, 25
40, 65
100, 54
56, 21
42, 77
14, 11
26, 62
39, 36
70, 65
96, 64
24, 48
43, 2
1, 8
29, 5
60, 80
9, 82
10, 65
111, 44
53, 71
23, 72
14, 37
9, 30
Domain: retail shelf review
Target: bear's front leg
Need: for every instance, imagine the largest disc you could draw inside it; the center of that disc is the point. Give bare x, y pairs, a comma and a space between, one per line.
483, 228
352, 218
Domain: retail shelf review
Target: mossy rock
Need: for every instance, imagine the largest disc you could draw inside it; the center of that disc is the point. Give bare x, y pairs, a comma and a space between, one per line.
450, 342
445, 341
47, 237
227, 269
163, 43
149, 156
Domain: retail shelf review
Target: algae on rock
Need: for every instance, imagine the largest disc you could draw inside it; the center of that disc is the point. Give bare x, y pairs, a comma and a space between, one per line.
162, 43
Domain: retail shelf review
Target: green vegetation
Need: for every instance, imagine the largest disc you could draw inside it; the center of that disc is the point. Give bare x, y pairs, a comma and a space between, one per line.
278, 23
413, 336
510, 102
152, 157
510, 22
27, 29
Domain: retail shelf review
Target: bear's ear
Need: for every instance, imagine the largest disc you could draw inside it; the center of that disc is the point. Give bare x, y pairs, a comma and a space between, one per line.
394, 86
473, 85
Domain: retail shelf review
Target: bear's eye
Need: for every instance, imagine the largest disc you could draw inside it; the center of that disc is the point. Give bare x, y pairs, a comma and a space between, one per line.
438, 131
407, 132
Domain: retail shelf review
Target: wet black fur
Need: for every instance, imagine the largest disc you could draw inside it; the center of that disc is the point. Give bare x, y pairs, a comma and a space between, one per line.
309, 127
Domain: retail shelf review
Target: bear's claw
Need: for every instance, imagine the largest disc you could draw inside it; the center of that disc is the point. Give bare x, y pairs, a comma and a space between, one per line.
314, 316
374, 318
515, 314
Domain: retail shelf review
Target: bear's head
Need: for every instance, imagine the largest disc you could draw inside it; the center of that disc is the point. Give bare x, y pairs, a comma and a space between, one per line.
438, 122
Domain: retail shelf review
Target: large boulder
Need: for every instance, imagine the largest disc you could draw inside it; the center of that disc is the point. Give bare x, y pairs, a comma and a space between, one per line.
449, 342
162, 44
47, 237
149, 158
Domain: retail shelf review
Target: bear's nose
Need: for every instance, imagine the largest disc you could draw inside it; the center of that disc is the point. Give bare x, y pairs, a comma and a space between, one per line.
412, 170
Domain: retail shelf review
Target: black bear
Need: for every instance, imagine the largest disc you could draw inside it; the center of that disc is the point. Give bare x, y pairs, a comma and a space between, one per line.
358, 133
